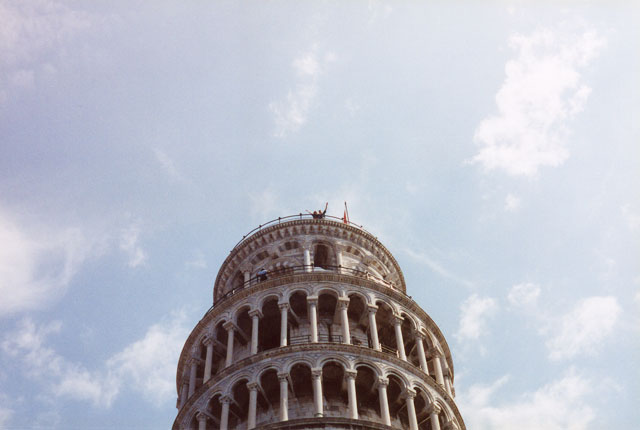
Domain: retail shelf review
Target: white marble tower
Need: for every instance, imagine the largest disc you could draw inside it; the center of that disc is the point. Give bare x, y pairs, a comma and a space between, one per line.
311, 328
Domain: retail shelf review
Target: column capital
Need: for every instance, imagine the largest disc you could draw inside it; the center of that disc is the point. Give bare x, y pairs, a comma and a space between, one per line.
312, 300
397, 319
208, 341
450, 425
255, 313
201, 416
434, 408
283, 375
383, 382
372, 308
252, 386
229, 325
316, 372
409, 393
434, 352
419, 335
283, 305
225, 399
343, 302
194, 360
351, 373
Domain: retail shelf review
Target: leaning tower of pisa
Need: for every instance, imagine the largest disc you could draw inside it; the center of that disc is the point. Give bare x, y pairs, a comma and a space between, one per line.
311, 328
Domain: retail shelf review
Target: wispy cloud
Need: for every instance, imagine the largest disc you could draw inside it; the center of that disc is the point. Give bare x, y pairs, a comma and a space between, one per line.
437, 267
559, 405
542, 91
37, 267
167, 164
146, 366
475, 313
583, 329
512, 203
130, 245
524, 295
292, 113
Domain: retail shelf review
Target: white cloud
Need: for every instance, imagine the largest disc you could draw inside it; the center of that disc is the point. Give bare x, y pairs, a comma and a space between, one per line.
130, 244
437, 267
36, 267
542, 91
559, 405
512, 203
583, 329
149, 365
474, 315
42, 363
146, 366
291, 114
524, 295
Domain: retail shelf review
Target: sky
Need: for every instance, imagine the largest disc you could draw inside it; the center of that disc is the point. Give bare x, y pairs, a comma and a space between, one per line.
493, 147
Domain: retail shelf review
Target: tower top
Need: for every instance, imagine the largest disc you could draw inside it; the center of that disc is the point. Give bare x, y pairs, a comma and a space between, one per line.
302, 243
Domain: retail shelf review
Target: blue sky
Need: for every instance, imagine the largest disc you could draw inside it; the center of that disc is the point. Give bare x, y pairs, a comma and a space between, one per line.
491, 146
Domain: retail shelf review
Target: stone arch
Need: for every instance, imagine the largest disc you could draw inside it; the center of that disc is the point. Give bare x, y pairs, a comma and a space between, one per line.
334, 387
269, 326
397, 404
329, 327
324, 254
357, 313
367, 376
301, 402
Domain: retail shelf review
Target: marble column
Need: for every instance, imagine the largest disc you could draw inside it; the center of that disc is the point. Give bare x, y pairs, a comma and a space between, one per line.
202, 421
313, 317
399, 340
343, 305
384, 401
373, 326
409, 395
230, 333
224, 415
437, 367
255, 315
253, 404
422, 357
208, 363
284, 396
316, 376
307, 261
351, 392
434, 410
284, 312
184, 393
192, 376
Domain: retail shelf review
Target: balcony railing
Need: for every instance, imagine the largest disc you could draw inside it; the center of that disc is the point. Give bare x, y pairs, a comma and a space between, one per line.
286, 271
280, 220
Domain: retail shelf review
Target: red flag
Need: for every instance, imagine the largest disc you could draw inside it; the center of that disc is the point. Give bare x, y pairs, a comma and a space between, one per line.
345, 217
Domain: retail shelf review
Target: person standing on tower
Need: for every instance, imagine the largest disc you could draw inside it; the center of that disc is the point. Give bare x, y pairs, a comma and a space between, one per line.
319, 214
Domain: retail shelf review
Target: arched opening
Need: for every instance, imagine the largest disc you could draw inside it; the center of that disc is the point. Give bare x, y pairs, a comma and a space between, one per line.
219, 348
421, 403
367, 394
334, 390
239, 407
408, 338
299, 318
268, 398
269, 328
322, 256
397, 403
214, 407
238, 281
358, 321
328, 319
301, 399
385, 321
243, 336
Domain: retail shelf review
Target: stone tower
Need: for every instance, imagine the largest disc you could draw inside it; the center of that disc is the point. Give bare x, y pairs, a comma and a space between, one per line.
311, 328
